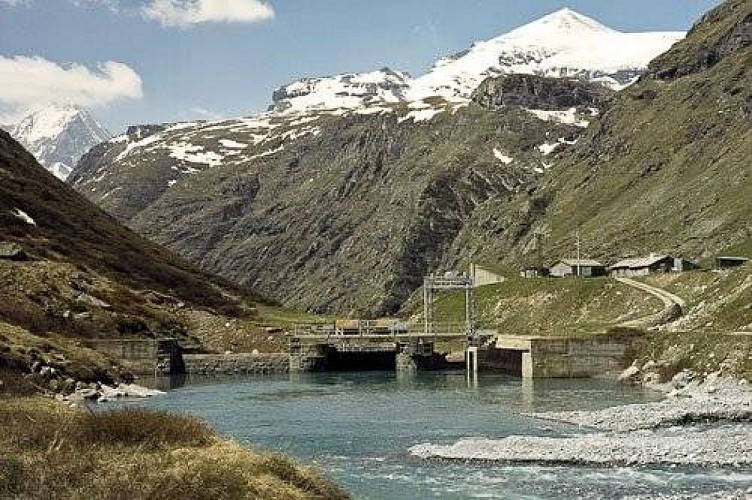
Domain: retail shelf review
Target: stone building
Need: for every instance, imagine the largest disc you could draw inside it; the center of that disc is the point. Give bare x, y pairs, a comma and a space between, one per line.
575, 267
653, 263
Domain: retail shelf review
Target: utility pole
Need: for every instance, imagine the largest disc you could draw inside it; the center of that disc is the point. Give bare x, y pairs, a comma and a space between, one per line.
579, 270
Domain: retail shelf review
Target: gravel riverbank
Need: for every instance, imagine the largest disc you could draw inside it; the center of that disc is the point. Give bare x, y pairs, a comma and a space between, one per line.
706, 423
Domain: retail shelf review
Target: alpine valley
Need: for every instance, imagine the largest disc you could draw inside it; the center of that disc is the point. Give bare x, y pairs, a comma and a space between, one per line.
349, 189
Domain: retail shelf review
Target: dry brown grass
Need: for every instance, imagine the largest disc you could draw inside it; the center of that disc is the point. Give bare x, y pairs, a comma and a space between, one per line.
50, 451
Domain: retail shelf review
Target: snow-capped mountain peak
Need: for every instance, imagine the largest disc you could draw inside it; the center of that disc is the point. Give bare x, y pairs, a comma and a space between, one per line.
58, 135
562, 25
564, 44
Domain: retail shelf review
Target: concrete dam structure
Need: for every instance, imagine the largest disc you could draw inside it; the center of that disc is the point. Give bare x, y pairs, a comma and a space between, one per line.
364, 354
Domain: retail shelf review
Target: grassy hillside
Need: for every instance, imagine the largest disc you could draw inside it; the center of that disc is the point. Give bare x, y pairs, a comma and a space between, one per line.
79, 274
69, 272
49, 451
548, 306
718, 301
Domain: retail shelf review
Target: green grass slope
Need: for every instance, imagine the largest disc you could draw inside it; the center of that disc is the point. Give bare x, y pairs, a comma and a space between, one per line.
548, 307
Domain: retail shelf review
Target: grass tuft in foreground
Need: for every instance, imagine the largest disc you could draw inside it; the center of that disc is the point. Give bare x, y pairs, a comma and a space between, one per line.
51, 451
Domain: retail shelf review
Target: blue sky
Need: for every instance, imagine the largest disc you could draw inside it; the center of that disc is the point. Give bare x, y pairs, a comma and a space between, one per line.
195, 67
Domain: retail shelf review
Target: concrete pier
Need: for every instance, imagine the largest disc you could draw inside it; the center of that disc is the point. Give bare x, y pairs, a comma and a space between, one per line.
143, 356
557, 357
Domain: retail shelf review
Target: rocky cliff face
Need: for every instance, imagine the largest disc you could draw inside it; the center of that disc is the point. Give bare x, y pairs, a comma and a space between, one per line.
721, 33
347, 217
538, 93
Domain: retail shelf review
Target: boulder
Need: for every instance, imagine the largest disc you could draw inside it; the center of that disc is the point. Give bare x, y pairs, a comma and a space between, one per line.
89, 394
90, 300
682, 379
12, 251
631, 375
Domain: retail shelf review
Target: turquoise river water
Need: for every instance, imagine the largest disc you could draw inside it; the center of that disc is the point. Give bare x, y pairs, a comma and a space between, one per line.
358, 427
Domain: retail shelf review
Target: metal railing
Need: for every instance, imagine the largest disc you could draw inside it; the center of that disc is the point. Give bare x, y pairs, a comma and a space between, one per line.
368, 329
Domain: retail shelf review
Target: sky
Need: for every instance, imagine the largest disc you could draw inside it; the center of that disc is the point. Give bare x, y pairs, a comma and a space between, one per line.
148, 61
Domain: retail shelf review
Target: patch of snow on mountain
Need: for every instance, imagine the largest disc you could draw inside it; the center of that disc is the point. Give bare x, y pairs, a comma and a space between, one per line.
420, 115
118, 139
194, 154
229, 143
373, 110
185, 170
295, 134
548, 148
110, 192
506, 160
265, 154
184, 126
568, 117
342, 92
142, 144
24, 216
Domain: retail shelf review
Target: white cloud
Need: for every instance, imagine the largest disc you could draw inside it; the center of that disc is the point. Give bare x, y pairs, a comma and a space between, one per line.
185, 13
113, 5
15, 3
30, 82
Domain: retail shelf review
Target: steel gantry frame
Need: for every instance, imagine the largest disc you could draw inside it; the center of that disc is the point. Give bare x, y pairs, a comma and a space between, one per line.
432, 284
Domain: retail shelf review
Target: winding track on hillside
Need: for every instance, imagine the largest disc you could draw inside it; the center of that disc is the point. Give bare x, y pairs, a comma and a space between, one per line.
673, 305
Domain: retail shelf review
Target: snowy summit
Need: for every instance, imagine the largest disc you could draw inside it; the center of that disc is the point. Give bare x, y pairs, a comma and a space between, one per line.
58, 135
562, 44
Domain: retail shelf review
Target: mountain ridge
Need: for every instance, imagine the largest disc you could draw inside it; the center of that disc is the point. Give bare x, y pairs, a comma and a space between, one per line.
345, 210
561, 44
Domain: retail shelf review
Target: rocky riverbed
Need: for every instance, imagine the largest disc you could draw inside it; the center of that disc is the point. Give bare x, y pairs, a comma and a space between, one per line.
700, 423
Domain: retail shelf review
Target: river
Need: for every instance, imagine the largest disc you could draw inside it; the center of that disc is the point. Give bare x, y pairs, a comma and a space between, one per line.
357, 428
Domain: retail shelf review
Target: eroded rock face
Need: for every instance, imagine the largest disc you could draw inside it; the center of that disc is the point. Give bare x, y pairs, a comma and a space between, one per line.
535, 92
